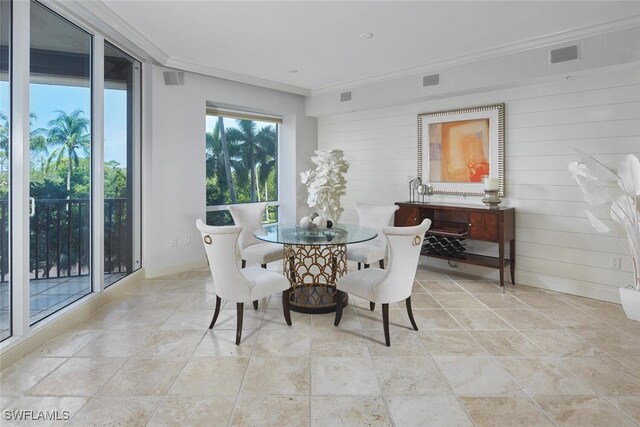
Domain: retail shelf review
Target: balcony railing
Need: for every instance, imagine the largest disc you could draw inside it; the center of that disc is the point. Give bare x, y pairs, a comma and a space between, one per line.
59, 241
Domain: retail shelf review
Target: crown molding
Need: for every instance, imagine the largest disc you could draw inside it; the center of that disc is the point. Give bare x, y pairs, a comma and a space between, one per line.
507, 49
236, 77
108, 17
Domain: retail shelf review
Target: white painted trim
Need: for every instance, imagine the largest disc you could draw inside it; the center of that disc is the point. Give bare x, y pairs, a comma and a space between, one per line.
102, 18
20, 169
152, 273
507, 49
97, 168
14, 349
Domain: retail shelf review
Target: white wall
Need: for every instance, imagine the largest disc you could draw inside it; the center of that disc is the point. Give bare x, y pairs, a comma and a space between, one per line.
557, 248
174, 190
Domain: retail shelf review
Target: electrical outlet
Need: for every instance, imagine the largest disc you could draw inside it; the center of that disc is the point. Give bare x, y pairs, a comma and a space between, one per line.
187, 239
174, 242
614, 262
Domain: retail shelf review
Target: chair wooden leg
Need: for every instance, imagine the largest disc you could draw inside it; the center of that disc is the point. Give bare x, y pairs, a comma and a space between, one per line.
385, 324
285, 306
216, 312
255, 305
263, 265
244, 263
367, 266
339, 296
240, 310
410, 313
359, 266
372, 305
382, 264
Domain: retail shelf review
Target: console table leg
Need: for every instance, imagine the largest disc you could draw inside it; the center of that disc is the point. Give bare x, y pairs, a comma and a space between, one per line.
501, 264
512, 256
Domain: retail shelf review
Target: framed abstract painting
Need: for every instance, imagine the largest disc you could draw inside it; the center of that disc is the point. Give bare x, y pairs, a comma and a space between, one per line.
457, 148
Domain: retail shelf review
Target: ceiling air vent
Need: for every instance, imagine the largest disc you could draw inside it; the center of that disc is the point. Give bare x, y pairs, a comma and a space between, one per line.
431, 80
563, 54
173, 78
345, 96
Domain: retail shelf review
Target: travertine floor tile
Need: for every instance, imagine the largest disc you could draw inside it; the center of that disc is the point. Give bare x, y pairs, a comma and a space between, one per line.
604, 375
441, 286
543, 376
283, 342
18, 378
350, 320
572, 317
102, 319
611, 341
330, 411
139, 318
478, 319
116, 343
67, 343
580, 411
195, 320
170, 344
433, 411
434, 319
479, 286
285, 411
421, 301
527, 319
148, 376
562, 343
497, 411
403, 343
451, 343
77, 377
461, 301
477, 376
630, 405
194, 412
116, 411
400, 375
500, 301
206, 376
343, 376
223, 343
336, 342
507, 343
277, 375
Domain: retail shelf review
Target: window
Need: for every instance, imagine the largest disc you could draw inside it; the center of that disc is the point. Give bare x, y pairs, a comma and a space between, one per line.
241, 162
121, 164
60, 162
5, 162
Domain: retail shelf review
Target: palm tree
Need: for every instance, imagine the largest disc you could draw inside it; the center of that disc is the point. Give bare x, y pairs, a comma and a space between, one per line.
37, 140
68, 134
226, 158
258, 149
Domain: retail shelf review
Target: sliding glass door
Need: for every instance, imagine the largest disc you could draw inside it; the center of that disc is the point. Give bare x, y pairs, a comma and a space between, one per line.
5, 163
60, 162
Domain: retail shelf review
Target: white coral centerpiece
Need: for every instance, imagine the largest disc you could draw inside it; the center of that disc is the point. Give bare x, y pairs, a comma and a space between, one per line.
326, 183
620, 202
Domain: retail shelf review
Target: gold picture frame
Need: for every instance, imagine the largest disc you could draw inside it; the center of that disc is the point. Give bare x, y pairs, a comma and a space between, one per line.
456, 148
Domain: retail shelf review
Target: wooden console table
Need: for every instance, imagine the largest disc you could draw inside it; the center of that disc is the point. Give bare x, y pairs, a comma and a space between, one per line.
452, 225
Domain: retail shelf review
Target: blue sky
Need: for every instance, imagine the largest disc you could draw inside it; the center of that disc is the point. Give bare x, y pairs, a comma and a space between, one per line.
46, 99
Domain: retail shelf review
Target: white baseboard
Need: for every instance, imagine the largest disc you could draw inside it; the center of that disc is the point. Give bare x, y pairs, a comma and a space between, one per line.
15, 348
538, 280
153, 272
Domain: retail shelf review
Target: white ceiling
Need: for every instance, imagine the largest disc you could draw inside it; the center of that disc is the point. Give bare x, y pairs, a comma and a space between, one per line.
247, 40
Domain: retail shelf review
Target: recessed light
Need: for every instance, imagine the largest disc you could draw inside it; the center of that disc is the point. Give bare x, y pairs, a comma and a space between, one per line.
293, 71
366, 36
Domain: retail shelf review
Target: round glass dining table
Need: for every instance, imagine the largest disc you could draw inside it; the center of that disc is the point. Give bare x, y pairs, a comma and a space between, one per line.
313, 259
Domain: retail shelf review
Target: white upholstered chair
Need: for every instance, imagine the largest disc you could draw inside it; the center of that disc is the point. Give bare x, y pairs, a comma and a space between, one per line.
234, 284
393, 284
249, 217
376, 217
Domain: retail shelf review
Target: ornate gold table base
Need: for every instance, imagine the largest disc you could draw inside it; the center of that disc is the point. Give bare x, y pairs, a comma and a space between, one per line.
312, 271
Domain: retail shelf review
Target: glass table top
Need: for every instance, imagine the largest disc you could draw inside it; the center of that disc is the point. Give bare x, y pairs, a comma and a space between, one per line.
291, 234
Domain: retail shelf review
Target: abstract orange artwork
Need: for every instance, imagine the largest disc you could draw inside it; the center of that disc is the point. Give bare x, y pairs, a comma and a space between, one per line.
459, 151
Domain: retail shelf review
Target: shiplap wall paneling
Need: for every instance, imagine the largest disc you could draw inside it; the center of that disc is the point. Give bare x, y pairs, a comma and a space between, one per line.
558, 248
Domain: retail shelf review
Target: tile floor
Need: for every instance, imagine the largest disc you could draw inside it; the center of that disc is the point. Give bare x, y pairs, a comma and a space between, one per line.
527, 357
